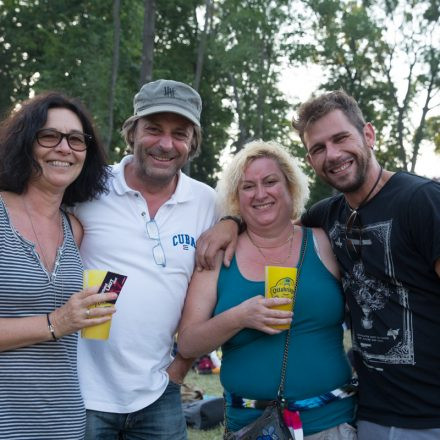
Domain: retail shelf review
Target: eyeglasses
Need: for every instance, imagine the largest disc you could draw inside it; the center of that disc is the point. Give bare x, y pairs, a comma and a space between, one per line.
353, 235
158, 252
50, 138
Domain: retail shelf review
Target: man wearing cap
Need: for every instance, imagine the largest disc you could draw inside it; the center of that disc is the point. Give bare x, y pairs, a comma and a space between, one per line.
146, 228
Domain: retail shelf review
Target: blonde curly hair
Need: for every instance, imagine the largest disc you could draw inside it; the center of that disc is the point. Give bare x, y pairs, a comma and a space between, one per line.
227, 185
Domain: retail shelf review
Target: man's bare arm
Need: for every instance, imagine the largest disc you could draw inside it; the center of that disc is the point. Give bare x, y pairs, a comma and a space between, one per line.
222, 236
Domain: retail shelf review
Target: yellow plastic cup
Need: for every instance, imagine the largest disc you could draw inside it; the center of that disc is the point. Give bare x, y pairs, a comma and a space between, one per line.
92, 278
280, 283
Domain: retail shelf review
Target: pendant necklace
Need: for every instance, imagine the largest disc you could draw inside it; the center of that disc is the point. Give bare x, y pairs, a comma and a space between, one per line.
52, 274
271, 260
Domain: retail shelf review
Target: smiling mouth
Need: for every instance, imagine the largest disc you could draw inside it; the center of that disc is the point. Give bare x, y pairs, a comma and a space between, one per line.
263, 206
162, 158
59, 163
341, 167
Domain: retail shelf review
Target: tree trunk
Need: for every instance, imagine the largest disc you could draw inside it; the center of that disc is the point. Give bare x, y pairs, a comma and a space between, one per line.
200, 57
243, 132
202, 44
148, 42
402, 110
264, 67
418, 137
115, 66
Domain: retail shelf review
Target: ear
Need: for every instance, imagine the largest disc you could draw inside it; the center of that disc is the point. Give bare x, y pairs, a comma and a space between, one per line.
369, 134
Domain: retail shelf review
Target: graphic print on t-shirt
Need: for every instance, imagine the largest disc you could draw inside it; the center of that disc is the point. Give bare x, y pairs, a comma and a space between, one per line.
381, 331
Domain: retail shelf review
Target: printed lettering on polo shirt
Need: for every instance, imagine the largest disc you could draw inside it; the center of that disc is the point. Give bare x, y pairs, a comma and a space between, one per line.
184, 241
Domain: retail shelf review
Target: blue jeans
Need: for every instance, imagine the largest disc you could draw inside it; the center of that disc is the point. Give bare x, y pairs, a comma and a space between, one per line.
162, 420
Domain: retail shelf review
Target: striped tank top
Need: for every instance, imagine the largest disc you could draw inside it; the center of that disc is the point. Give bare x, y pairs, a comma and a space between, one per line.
39, 390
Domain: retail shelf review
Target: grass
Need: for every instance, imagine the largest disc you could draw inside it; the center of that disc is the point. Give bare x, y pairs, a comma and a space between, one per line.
210, 385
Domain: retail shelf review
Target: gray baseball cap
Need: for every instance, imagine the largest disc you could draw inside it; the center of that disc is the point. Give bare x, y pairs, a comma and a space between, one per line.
165, 95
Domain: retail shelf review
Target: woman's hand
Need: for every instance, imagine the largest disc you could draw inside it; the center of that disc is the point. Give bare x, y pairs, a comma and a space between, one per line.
257, 313
75, 314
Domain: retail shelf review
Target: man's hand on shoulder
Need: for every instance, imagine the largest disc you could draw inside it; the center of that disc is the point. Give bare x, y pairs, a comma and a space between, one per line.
222, 236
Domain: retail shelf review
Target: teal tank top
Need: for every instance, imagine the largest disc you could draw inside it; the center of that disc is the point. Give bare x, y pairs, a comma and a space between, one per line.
317, 363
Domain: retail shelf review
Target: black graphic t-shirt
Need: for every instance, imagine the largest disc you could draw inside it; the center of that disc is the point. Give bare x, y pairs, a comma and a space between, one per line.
393, 293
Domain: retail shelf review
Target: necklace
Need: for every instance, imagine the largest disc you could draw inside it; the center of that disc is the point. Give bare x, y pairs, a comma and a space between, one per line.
43, 253
260, 249
289, 238
365, 199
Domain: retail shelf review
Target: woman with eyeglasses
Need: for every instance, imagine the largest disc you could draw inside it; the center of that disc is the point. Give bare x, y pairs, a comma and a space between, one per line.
227, 306
50, 158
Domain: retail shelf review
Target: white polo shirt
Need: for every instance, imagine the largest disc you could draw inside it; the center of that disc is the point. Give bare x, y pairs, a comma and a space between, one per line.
127, 372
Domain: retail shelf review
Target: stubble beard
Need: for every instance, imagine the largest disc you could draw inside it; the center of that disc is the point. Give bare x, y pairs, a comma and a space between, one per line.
362, 163
148, 174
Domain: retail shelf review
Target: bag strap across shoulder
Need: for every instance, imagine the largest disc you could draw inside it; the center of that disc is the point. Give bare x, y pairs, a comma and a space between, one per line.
280, 395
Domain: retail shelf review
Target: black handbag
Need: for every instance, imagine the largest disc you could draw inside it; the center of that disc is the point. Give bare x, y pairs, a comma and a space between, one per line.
270, 425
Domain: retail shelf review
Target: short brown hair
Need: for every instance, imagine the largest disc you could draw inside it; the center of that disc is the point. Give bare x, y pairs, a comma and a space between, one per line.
316, 108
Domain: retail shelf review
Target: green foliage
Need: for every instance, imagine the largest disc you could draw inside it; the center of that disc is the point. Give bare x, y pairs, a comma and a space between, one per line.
388, 73
247, 35
432, 12
319, 190
68, 46
433, 131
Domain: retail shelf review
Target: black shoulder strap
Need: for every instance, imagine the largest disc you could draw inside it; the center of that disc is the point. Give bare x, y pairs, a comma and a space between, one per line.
305, 232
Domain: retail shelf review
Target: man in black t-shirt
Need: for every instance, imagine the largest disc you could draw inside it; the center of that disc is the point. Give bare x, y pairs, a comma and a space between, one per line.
385, 231
384, 228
